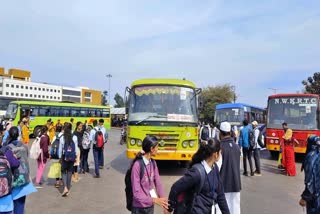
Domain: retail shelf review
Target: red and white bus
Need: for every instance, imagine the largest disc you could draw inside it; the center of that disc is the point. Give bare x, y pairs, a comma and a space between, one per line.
299, 111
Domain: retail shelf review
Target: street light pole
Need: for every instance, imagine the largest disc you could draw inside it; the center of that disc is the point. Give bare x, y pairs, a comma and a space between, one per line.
233, 88
109, 93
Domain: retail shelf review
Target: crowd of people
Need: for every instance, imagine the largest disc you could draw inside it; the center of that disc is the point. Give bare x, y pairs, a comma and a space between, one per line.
66, 145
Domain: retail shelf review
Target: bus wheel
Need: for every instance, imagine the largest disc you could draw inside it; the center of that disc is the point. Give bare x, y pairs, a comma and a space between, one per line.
274, 154
37, 131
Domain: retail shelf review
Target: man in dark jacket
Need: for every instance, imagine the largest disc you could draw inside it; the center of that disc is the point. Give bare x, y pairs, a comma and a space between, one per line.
230, 168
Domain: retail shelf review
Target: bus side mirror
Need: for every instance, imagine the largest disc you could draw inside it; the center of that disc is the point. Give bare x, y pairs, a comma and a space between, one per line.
126, 99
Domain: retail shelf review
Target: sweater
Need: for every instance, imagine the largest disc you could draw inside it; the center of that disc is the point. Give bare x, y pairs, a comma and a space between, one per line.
244, 137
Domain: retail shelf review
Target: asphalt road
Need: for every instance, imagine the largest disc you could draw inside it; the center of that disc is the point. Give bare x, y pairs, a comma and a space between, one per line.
272, 193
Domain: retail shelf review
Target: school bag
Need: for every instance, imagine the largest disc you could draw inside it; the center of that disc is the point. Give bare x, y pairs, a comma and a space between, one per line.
98, 138
128, 183
69, 151
35, 149
5, 175
86, 141
185, 200
54, 150
252, 138
205, 133
21, 174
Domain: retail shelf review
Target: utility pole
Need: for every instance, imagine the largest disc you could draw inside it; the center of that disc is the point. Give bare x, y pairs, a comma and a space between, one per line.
233, 88
109, 93
274, 90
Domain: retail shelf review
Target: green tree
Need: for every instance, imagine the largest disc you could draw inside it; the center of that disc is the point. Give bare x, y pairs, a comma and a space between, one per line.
212, 96
119, 101
312, 84
104, 98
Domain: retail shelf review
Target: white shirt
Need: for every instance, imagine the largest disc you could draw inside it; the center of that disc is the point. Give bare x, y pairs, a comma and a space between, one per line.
256, 136
61, 145
206, 166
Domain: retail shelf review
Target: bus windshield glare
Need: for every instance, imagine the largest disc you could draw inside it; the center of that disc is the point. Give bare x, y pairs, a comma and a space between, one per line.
299, 113
232, 115
163, 103
11, 111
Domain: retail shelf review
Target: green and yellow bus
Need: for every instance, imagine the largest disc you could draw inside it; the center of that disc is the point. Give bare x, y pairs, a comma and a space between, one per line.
167, 109
39, 112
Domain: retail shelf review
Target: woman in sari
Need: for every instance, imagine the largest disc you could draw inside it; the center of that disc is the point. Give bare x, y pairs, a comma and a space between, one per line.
288, 157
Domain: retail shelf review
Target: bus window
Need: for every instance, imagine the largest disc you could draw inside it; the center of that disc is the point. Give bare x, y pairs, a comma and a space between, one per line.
55, 111
105, 113
99, 112
83, 112
75, 112
34, 111
44, 111
65, 111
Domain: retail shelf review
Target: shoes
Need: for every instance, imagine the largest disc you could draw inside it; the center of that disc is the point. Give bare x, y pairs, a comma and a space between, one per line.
257, 174
245, 174
252, 173
100, 167
39, 186
96, 176
57, 185
65, 194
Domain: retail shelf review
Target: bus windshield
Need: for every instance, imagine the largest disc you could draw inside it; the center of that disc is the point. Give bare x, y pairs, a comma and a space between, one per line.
298, 112
232, 115
163, 103
11, 111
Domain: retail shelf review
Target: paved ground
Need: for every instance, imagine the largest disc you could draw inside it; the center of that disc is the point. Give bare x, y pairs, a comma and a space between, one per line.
272, 193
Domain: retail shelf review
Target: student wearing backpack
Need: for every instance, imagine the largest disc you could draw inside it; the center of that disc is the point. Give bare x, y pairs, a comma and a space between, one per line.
68, 157
310, 197
55, 155
105, 139
205, 133
44, 155
79, 135
97, 141
8, 162
22, 186
147, 189
244, 143
201, 185
256, 148
86, 144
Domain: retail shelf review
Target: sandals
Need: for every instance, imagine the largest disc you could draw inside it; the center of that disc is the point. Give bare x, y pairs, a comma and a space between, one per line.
65, 194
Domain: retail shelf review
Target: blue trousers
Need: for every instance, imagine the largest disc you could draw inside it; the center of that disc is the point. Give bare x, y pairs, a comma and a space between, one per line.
101, 158
19, 205
97, 154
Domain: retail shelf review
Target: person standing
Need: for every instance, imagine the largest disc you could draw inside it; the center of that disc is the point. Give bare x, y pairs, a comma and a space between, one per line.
68, 151
205, 133
212, 190
52, 131
79, 135
22, 186
58, 126
86, 145
288, 157
256, 149
97, 152
20, 124
246, 149
230, 168
311, 166
105, 139
25, 131
44, 155
148, 190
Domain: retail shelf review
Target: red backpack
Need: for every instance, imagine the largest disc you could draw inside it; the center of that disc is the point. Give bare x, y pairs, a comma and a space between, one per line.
99, 139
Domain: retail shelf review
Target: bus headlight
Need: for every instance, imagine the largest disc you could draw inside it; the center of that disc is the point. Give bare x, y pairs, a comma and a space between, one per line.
185, 144
271, 141
191, 143
139, 142
132, 142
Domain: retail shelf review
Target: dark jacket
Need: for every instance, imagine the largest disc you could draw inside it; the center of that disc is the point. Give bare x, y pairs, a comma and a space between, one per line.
44, 145
230, 169
204, 200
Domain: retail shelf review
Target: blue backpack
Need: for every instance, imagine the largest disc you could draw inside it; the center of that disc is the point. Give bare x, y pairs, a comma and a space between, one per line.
69, 151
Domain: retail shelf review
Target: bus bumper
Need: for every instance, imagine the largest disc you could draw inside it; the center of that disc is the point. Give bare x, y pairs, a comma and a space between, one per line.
277, 148
165, 155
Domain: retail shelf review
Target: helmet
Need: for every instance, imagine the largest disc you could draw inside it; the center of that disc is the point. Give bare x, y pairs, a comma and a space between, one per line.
14, 133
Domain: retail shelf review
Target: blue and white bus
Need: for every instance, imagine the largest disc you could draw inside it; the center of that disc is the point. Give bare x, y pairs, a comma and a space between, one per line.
235, 113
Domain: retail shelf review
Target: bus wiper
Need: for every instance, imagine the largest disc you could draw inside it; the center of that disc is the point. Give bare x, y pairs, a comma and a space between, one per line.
151, 116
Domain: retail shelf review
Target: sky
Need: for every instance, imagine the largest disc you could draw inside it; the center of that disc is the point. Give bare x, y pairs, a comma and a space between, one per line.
253, 45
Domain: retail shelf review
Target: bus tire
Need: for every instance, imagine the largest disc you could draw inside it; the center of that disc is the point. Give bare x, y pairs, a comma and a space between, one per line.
274, 154
37, 131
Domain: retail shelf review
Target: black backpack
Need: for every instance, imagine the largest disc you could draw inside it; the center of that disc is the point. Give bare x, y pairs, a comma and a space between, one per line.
54, 150
252, 139
205, 133
185, 201
127, 180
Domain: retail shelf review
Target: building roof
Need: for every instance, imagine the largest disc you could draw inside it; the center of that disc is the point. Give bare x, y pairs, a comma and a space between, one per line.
118, 111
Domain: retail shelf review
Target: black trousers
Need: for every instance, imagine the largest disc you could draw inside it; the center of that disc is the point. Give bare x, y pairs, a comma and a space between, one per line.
147, 210
247, 154
256, 156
